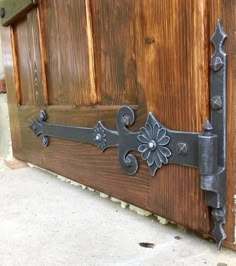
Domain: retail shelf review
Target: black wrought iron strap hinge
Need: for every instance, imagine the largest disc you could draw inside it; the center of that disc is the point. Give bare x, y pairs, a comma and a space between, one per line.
159, 145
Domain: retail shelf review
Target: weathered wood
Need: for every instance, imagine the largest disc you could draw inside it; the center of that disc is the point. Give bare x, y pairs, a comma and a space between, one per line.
114, 45
28, 59
15, 9
150, 54
74, 160
172, 65
68, 62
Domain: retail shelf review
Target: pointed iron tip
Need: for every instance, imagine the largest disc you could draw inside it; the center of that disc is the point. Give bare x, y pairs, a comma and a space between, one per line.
219, 245
219, 27
207, 126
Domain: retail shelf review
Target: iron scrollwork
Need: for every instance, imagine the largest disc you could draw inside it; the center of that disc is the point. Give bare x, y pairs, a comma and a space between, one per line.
159, 145
153, 148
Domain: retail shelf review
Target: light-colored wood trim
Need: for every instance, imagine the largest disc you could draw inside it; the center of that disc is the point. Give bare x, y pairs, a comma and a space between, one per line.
43, 59
15, 68
93, 91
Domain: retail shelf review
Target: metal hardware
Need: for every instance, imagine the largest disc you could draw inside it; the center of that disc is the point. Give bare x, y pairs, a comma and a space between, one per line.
2, 12
12, 10
159, 145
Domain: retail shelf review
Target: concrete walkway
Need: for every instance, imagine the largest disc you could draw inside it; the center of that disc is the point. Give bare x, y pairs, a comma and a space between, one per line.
47, 222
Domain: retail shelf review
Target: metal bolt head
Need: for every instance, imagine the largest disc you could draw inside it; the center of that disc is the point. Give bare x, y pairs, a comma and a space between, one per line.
182, 148
216, 63
128, 162
2, 12
42, 115
45, 141
126, 120
152, 145
98, 137
216, 103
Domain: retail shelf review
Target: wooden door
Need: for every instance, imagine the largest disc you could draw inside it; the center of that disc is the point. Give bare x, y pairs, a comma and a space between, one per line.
81, 60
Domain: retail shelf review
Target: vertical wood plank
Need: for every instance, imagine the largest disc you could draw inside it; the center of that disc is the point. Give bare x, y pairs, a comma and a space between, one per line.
69, 66
93, 91
43, 58
34, 58
172, 67
114, 44
27, 57
25, 71
15, 68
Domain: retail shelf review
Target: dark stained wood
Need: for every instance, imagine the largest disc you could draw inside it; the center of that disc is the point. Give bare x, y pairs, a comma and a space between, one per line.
27, 47
226, 11
15, 9
172, 66
22, 56
115, 60
92, 57
74, 160
64, 27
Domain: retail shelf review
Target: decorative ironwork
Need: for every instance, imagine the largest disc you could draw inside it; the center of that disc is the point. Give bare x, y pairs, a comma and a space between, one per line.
159, 145
154, 139
100, 136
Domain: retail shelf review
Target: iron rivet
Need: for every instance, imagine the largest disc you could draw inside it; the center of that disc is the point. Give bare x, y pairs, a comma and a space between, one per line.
216, 103
45, 141
126, 120
98, 137
42, 115
182, 148
2, 12
128, 162
216, 63
152, 145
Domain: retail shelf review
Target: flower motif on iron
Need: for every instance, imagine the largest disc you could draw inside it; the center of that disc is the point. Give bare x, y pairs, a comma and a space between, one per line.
154, 139
99, 136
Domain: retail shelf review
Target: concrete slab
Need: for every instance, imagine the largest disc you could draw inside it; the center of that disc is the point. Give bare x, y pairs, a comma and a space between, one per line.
46, 222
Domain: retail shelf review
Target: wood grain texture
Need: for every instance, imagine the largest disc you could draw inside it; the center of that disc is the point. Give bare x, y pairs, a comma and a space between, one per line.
115, 60
28, 57
74, 160
172, 66
225, 10
43, 59
64, 26
153, 53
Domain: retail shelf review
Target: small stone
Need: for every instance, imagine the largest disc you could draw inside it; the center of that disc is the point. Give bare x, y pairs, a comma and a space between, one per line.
90, 189
115, 199
103, 195
123, 204
161, 220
